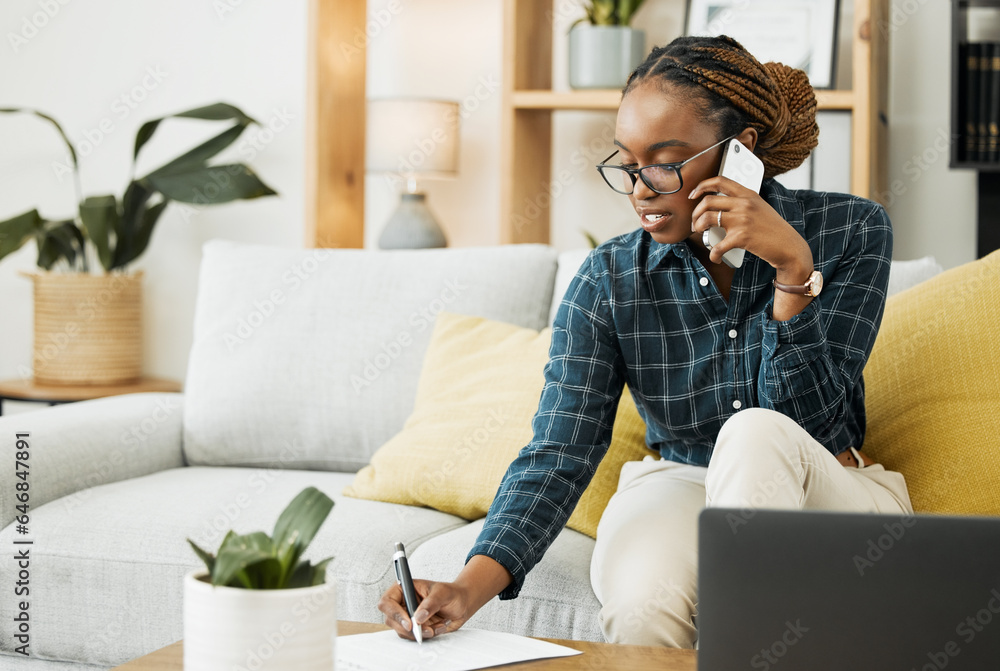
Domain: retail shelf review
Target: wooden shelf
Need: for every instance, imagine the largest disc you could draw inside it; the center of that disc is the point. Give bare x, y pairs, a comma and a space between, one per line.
835, 101
335, 124
598, 99
980, 166
528, 105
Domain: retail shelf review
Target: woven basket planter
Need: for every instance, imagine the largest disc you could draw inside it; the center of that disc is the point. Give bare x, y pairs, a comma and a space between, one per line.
88, 328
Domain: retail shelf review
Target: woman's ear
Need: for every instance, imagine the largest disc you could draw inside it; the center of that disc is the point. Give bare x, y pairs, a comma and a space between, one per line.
748, 138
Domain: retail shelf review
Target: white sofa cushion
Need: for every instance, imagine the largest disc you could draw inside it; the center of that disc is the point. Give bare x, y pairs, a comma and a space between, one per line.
905, 274
568, 265
310, 358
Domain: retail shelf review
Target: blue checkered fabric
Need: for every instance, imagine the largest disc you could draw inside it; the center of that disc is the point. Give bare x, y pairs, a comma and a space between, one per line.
641, 313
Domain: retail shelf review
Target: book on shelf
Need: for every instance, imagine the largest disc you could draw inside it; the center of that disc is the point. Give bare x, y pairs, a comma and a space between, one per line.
968, 62
979, 102
983, 116
993, 119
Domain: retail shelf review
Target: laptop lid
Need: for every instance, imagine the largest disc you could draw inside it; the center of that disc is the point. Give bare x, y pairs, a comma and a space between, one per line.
791, 590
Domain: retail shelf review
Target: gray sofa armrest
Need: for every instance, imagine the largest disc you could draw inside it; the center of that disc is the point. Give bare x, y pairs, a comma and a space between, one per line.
79, 445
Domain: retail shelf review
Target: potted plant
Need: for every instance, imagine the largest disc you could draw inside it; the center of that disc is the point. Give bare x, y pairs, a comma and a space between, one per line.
258, 604
88, 326
603, 49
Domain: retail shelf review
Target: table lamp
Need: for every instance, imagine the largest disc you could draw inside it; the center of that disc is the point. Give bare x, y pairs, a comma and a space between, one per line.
411, 139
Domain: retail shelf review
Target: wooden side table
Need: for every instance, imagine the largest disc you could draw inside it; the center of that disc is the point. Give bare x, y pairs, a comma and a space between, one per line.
607, 656
27, 390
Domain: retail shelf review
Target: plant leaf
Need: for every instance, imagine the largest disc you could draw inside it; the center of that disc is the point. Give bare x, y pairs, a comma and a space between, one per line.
133, 207
302, 576
80, 238
203, 152
50, 251
233, 560
603, 13
216, 112
146, 131
211, 184
238, 553
62, 133
140, 238
206, 557
297, 525
257, 540
58, 240
307, 575
626, 9
264, 574
16, 231
227, 539
319, 575
301, 519
99, 215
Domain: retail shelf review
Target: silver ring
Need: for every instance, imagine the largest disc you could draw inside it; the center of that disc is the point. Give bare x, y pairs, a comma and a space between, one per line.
719, 218
706, 240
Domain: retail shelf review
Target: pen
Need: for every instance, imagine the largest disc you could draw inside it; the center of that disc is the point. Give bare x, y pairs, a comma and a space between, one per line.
405, 581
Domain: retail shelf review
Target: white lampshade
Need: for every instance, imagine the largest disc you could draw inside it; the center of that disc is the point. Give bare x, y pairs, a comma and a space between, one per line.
413, 137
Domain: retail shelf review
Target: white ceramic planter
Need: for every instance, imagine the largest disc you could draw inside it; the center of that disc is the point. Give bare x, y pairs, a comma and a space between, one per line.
228, 628
602, 57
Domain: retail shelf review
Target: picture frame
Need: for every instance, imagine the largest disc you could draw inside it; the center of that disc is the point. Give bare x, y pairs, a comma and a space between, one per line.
799, 33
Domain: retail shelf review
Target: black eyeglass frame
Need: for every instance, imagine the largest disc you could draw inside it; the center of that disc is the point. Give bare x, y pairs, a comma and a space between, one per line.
633, 172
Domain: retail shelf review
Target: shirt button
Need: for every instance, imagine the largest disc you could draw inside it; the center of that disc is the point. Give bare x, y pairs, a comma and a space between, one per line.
703, 281
732, 333
737, 405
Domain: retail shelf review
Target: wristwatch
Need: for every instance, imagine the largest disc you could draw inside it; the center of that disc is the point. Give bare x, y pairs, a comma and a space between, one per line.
812, 287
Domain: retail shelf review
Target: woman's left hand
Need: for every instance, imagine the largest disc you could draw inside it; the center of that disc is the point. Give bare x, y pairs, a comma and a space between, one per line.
751, 224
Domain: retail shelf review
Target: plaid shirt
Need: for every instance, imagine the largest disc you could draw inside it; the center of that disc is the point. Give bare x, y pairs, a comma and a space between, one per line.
648, 315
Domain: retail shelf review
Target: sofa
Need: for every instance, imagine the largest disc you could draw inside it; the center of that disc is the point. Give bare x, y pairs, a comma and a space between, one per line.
303, 363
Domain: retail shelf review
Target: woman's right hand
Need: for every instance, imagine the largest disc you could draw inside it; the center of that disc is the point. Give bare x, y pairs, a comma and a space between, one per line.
444, 607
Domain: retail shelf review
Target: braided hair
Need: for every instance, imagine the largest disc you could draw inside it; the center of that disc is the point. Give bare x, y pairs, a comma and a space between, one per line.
737, 92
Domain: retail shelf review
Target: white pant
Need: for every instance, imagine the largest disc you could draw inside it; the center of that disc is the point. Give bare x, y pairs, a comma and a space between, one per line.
644, 567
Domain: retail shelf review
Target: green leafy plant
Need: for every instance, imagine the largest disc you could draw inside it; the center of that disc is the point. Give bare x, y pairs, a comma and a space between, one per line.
609, 12
259, 561
590, 239
120, 230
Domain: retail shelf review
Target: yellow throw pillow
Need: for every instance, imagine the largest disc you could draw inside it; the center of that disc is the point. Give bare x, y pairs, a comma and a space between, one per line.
478, 392
933, 382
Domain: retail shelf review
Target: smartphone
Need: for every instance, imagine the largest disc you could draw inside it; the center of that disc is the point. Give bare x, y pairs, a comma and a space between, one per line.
740, 165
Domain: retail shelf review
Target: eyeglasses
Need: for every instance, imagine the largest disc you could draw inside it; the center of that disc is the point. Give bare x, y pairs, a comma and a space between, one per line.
662, 178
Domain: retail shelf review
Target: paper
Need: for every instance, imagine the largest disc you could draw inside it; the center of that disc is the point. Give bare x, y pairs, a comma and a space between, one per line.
461, 650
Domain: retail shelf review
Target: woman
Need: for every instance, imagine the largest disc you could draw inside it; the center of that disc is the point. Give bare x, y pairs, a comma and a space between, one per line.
749, 379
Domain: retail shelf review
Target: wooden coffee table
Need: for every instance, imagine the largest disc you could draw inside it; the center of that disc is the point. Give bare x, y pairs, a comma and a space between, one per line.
595, 656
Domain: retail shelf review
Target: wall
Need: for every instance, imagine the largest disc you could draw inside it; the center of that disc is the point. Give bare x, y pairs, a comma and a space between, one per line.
86, 57
113, 65
933, 208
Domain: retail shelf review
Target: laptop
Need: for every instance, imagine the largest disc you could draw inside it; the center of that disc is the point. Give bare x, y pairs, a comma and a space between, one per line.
794, 590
